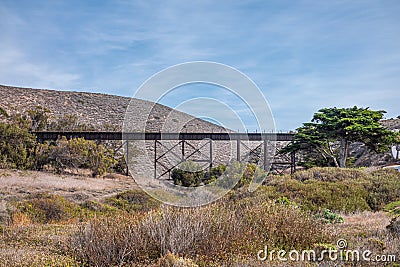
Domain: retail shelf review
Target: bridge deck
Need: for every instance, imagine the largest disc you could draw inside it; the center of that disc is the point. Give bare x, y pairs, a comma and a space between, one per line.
43, 136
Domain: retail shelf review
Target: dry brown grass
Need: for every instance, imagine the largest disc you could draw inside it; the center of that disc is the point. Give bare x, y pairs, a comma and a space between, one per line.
34, 245
368, 230
219, 233
215, 235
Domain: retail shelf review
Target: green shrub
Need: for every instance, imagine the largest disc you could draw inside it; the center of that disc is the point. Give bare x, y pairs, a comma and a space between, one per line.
79, 153
133, 200
187, 174
236, 175
16, 147
383, 187
315, 195
47, 208
329, 174
336, 189
214, 173
38, 118
393, 208
42, 155
251, 172
19, 149
283, 201
331, 217
90, 208
239, 175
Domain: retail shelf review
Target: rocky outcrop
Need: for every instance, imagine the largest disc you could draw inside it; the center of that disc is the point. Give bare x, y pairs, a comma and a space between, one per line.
365, 157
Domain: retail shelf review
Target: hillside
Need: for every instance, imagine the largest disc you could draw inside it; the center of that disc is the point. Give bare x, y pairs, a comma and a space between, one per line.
364, 157
392, 124
99, 110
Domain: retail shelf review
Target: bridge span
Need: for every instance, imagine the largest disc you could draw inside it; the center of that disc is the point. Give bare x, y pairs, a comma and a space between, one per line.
107, 136
259, 153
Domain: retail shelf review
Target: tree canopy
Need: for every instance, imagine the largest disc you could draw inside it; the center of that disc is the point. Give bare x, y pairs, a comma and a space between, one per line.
332, 130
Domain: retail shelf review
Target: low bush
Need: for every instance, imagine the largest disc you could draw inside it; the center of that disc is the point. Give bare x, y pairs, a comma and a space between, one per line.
3, 113
347, 190
383, 187
393, 208
394, 226
110, 241
133, 200
218, 233
283, 201
237, 175
329, 174
76, 153
17, 147
214, 173
46, 208
331, 217
188, 174
172, 260
316, 195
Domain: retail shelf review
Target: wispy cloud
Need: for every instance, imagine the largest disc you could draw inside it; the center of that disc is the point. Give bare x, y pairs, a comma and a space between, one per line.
304, 55
15, 67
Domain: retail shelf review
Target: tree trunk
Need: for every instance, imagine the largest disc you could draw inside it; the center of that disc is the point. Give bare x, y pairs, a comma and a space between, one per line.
343, 151
335, 161
329, 153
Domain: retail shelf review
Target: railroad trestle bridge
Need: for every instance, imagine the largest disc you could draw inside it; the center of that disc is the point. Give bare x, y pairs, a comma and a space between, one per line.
183, 142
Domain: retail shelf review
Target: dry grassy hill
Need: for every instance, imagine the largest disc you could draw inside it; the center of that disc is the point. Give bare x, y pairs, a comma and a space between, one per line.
100, 110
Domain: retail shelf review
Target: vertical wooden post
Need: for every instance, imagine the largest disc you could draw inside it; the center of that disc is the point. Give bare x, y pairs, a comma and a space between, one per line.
211, 154
265, 155
127, 158
238, 149
155, 159
183, 150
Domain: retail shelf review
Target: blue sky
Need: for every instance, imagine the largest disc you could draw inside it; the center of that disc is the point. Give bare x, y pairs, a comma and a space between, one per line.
303, 55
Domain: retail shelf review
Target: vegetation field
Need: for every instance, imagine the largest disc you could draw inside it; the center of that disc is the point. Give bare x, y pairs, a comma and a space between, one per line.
47, 225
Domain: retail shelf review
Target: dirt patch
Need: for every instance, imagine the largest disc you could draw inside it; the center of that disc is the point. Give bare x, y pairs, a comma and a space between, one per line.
15, 184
